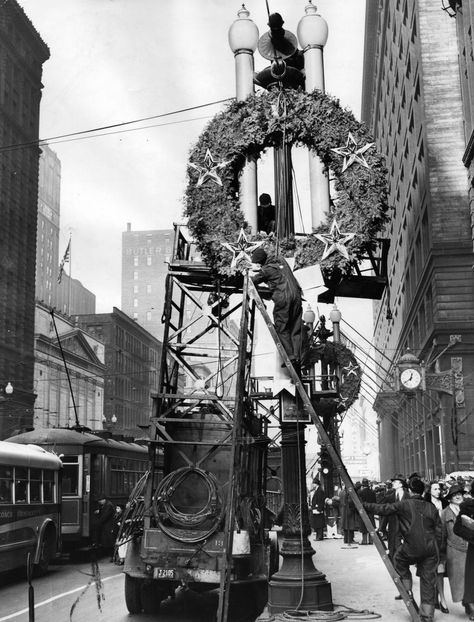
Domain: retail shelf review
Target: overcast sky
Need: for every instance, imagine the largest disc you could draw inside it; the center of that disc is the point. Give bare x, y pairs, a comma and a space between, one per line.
120, 60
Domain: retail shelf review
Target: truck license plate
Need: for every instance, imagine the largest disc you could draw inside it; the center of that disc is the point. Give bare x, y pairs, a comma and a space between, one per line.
164, 573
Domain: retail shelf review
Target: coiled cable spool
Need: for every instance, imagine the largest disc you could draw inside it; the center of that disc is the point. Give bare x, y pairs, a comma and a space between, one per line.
191, 526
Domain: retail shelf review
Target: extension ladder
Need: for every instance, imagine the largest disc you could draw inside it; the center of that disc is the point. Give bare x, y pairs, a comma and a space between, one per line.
336, 459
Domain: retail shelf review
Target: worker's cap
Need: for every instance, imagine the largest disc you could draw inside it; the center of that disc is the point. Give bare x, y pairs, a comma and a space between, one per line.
259, 256
265, 199
417, 486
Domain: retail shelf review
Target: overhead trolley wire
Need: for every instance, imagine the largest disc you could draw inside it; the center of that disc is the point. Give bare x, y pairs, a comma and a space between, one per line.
83, 133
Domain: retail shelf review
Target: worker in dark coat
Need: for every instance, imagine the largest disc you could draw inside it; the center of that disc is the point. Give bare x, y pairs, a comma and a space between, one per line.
366, 495
265, 214
464, 528
318, 499
420, 527
286, 296
103, 523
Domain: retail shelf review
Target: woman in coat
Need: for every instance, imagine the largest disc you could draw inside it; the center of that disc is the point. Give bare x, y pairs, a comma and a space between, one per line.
464, 527
433, 495
455, 548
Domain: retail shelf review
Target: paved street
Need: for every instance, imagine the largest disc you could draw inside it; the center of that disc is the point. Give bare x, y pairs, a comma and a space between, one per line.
358, 578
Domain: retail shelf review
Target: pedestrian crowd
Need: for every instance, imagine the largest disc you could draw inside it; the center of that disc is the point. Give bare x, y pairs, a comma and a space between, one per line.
429, 525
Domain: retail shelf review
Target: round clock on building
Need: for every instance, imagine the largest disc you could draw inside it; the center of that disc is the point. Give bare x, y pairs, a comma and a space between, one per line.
410, 378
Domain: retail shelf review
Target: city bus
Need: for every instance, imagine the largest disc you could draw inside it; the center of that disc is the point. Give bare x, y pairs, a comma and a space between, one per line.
30, 495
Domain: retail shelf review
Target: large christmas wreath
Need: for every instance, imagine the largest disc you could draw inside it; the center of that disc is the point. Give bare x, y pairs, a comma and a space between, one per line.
337, 355
247, 128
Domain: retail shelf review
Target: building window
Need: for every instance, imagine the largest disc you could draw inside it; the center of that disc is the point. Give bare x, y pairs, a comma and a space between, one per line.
135, 302
148, 260
135, 316
135, 289
135, 261
148, 289
135, 276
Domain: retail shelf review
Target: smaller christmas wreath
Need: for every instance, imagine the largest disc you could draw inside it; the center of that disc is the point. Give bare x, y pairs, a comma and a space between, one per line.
338, 355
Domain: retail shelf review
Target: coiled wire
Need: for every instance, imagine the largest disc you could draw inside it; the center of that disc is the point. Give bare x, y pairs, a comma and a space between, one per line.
169, 517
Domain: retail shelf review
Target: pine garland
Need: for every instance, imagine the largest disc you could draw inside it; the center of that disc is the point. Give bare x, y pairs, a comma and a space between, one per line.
337, 354
247, 128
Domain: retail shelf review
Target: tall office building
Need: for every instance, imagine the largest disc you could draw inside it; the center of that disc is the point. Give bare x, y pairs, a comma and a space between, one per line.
47, 240
22, 54
412, 101
145, 257
69, 296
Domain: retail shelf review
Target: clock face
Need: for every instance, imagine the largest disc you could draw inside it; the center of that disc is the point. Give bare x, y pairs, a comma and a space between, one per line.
410, 378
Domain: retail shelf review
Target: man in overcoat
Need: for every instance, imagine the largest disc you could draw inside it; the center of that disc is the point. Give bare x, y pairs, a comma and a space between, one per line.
318, 499
103, 523
366, 495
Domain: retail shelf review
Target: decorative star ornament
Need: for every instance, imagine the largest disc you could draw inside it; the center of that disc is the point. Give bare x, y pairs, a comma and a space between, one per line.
209, 170
241, 249
343, 402
352, 152
335, 241
350, 369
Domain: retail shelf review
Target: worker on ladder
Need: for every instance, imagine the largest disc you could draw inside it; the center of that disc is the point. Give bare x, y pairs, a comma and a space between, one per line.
286, 297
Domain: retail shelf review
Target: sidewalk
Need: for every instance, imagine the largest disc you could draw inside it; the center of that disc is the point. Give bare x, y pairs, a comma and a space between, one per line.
360, 580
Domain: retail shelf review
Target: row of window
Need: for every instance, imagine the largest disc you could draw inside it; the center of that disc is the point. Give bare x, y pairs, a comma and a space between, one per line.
136, 290
22, 485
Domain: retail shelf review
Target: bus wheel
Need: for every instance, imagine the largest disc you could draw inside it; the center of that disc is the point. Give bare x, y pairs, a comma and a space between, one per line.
41, 568
152, 596
133, 598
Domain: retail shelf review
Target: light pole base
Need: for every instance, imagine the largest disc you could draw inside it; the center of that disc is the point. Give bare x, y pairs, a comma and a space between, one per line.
299, 586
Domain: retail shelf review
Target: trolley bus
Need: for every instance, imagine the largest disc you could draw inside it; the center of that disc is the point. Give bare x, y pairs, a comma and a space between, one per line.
30, 519
91, 465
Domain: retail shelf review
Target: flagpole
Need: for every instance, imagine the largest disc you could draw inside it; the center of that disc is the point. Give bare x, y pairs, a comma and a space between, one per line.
70, 269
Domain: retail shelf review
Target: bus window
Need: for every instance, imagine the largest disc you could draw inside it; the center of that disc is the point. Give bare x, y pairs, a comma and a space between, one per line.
70, 480
35, 485
48, 487
21, 484
6, 479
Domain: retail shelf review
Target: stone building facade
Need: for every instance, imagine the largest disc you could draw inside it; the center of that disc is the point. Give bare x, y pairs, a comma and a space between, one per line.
413, 102
56, 404
22, 54
132, 360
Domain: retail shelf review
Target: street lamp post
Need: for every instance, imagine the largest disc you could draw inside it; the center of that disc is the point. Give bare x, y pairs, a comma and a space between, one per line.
243, 41
313, 34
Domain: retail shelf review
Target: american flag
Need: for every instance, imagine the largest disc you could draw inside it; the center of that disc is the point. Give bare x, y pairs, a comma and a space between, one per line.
64, 260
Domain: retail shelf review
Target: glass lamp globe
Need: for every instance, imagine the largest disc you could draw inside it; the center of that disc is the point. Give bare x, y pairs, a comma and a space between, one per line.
243, 33
312, 28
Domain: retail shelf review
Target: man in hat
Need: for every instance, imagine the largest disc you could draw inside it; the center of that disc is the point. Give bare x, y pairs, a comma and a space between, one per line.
265, 214
286, 296
318, 499
398, 492
103, 523
420, 527
366, 495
